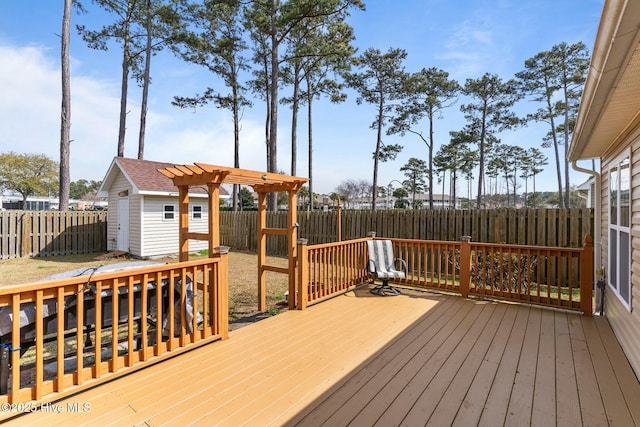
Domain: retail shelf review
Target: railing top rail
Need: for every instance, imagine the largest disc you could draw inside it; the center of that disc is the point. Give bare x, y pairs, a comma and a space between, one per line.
51, 284
334, 244
527, 247
439, 242
483, 244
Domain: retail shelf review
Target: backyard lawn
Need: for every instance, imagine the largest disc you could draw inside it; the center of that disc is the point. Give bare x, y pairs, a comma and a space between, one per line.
243, 276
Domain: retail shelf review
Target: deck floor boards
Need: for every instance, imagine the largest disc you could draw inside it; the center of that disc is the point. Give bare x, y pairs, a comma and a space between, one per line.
416, 359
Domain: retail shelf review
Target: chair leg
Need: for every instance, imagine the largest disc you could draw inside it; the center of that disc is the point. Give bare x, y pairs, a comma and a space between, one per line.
385, 289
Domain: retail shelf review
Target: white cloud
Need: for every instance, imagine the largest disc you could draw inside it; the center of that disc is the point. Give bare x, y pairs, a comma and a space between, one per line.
30, 111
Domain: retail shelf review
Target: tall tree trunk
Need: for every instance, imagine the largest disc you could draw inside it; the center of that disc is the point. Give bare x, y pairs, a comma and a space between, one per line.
430, 178
126, 58
65, 115
267, 119
294, 118
558, 171
310, 134
526, 190
236, 140
554, 137
145, 83
515, 184
377, 155
567, 189
453, 189
272, 166
413, 195
481, 163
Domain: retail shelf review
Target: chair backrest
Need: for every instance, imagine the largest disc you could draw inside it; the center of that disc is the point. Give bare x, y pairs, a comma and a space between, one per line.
381, 252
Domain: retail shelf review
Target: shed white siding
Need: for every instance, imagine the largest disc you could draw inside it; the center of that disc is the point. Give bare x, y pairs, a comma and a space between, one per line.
121, 184
161, 236
625, 323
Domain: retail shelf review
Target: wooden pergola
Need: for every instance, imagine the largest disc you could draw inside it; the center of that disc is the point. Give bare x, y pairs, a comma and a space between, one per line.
211, 176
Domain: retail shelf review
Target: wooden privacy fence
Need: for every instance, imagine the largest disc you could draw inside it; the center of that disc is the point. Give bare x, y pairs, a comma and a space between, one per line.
47, 233
79, 331
540, 275
544, 227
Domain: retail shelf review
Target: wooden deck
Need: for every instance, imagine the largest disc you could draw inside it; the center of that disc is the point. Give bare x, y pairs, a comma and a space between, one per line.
416, 359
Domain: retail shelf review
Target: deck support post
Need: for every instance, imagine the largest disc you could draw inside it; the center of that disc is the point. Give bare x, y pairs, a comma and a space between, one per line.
586, 276
222, 293
303, 274
465, 266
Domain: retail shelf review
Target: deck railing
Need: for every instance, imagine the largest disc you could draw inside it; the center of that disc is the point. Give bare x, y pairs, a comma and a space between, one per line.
79, 331
329, 269
556, 277
549, 276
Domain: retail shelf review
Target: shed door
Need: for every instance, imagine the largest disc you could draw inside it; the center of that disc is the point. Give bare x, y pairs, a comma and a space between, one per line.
123, 225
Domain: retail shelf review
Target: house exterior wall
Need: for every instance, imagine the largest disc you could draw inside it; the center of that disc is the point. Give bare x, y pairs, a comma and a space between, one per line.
625, 323
161, 236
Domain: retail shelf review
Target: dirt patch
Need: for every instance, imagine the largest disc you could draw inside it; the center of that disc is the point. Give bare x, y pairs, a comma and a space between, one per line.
243, 277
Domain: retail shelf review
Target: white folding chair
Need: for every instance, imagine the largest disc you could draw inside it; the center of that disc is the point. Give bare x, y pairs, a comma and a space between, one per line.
382, 266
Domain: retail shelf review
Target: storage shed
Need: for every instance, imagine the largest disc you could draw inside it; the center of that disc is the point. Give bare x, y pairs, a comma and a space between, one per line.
142, 216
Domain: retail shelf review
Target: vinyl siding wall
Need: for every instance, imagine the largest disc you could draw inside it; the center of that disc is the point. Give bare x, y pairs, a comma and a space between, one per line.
624, 323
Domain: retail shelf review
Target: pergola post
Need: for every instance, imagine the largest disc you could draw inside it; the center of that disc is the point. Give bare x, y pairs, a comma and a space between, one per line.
262, 251
292, 236
183, 214
214, 217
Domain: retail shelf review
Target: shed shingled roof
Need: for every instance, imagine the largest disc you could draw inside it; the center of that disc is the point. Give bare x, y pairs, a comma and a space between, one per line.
144, 175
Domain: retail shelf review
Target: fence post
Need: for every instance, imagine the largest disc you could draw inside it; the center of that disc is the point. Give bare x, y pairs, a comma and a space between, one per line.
586, 276
465, 266
303, 274
25, 250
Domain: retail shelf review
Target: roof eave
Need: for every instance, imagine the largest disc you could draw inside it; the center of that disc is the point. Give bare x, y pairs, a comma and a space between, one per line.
172, 194
615, 44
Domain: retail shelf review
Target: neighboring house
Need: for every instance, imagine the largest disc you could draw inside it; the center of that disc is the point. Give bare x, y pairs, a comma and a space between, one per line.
608, 128
586, 191
43, 203
142, 214
440, 201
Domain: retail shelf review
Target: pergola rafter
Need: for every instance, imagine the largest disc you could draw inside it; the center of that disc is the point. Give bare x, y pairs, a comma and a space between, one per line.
212, 176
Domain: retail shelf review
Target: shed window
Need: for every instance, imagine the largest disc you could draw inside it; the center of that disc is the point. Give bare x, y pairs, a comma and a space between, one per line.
619, 230
169, 212
196, 212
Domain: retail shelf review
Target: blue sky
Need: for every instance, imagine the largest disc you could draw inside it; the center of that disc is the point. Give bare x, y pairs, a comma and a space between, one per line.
467, 38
